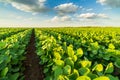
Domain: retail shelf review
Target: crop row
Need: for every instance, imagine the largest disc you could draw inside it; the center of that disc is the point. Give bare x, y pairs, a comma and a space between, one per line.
12, 50
9, 32
87, 56
65, 53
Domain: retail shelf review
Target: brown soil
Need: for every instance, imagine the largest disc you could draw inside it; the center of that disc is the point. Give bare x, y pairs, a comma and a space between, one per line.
116, 72
33, 71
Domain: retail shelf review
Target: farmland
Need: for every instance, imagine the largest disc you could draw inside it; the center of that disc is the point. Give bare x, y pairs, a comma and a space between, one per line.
60, 54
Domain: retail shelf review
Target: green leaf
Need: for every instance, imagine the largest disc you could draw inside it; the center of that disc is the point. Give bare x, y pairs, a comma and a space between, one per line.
68, 61
102, 78
117, 63
98, 68
59, 62
1, 58
66, 78
109, 68
4, 72
50, 64
15, 69
94, 46
2, 44
44, 59
74, 75
112, 77
14, 76
67, 69
85, 63
2, 66
83, 78
74, 58
107, 56
60, 77
84, 71
46, 70
92, 76
111, 46
22, 78
57, 55
48, 78
70, 51
58, 71
79, 52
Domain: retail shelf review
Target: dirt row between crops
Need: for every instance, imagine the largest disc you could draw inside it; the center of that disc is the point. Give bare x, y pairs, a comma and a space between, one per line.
33, 71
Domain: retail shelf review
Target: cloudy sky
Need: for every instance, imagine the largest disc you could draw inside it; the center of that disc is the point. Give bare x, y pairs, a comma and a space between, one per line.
53, 13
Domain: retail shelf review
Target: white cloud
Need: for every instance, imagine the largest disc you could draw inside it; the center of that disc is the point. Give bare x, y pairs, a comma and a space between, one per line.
93, 16
61, 19
90, 9
42, 1
87, 15
80, 7
34, 14
19, 17
28, 19
28, 5
102, 16
101, 1
112, 3
66, 8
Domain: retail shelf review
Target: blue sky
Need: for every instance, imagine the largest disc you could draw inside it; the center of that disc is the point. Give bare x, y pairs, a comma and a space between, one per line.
52, 13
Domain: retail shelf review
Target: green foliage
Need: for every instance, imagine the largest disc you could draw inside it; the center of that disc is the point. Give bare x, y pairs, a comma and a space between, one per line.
12, 49
57, 55
79, 53
83, 78
57, 72
85, 63
59, 62
109, 68
69, 61
74, 75
67, 70
112, 77
75, 58
117, 63
2, 45
111, 46
84, 71
94, 48
14, 76
98, 68
4, 72
92, 75
70, 51
102, 78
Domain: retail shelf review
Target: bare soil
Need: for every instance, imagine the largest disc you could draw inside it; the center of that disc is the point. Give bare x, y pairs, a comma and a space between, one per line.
33, 71
116, 72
